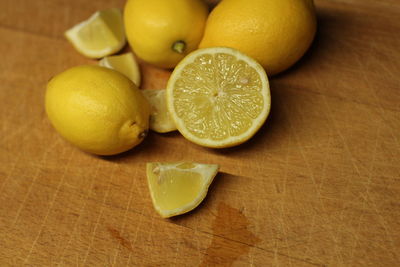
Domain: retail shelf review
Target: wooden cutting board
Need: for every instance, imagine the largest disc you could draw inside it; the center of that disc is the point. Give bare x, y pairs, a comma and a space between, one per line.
319, 185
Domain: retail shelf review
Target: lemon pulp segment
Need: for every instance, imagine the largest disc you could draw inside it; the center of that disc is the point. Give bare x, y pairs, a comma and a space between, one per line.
101, 35
177, 188
160, 119
124, 63
218, 97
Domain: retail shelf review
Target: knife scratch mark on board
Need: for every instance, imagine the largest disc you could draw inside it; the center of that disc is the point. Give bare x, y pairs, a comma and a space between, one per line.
131, 190
33, 181
88, 250
83, 200
50, 207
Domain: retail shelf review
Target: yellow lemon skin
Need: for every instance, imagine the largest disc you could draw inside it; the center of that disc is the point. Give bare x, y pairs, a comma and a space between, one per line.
97, 109
276, 33
162, 32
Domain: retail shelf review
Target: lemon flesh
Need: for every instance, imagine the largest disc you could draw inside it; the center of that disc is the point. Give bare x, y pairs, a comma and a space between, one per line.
126, 64
97, 109
160, 119
177, 188
218, 97
101, 35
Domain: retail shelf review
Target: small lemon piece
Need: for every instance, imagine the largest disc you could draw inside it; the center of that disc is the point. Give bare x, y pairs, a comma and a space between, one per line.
276, 33
177, 188
218, 97
126, 64
97, 109
160, 120
101, 35
162, 32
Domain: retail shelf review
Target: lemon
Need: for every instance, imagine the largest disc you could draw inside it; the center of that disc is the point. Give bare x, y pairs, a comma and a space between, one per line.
218, 97
163, 32
126, 64
101, 35
97, 109
160, 120
177, 188
274, 32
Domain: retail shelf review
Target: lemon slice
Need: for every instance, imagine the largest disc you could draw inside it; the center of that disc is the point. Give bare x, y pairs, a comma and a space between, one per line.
101, 35
218, 97
160, 120
177, 188
125, 63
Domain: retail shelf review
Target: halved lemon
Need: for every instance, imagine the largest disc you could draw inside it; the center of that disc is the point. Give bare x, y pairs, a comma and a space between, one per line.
124, 63
160, 120
177, 188
101, 35
218, 97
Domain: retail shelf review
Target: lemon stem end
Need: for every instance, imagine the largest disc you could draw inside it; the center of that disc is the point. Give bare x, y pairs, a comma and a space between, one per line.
179, 46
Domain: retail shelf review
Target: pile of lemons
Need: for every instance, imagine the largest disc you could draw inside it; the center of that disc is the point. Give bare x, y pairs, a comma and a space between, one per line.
218, 93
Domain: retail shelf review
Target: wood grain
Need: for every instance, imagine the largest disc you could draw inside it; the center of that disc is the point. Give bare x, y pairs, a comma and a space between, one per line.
319, 185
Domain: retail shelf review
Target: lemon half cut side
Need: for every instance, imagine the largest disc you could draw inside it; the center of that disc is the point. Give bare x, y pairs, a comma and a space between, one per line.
218, 97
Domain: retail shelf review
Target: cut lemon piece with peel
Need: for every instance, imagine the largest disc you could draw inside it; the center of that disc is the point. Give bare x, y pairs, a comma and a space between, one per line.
177, 188
160, 120
218, 97
101, 35
124, 63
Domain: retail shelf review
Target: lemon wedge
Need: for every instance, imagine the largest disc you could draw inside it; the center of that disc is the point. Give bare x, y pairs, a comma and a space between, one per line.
177, 188
101, 35
125, 63
160, 120
218, 97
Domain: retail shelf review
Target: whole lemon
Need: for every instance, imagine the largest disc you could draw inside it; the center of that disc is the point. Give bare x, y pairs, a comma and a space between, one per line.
162, 32
274, 32
97, 109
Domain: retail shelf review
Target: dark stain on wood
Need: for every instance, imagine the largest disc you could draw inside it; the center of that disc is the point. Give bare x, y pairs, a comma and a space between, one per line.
231, 237
121, 240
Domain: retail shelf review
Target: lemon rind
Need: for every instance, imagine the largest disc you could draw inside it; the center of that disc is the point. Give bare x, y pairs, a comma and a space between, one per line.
160, 128
135, 75
211, 171
72, 36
